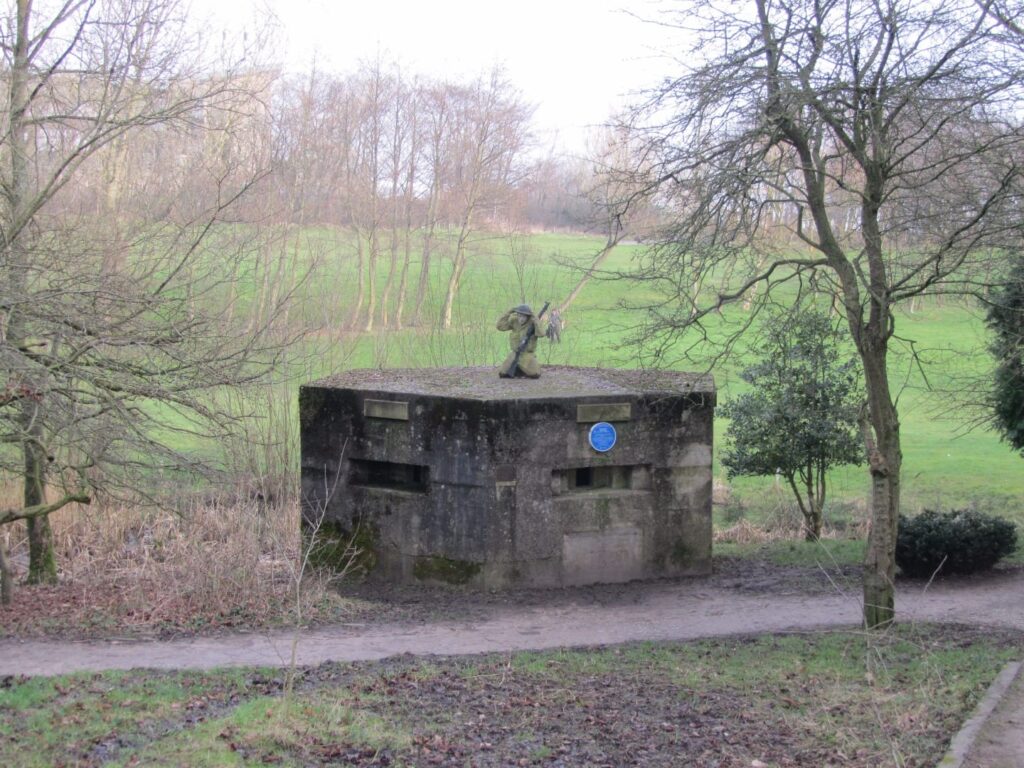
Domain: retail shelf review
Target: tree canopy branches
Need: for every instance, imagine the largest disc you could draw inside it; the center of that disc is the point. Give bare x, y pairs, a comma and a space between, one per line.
868, 151
114, 326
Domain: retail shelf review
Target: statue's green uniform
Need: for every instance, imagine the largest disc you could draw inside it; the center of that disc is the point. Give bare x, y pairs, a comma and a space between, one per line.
519, 323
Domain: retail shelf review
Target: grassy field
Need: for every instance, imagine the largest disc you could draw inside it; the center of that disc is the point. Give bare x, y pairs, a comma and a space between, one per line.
936, 362
819, 699
824, 699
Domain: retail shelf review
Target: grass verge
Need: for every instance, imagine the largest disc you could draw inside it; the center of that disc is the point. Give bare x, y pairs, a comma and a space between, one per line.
814, 699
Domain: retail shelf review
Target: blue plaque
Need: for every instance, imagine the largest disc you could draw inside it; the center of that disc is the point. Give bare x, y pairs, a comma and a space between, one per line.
602, 437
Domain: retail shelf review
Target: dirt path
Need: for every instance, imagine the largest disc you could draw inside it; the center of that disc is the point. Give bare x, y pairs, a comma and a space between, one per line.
658, 611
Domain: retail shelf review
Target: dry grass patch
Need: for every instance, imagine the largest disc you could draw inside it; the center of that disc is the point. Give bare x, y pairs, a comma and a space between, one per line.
140, 570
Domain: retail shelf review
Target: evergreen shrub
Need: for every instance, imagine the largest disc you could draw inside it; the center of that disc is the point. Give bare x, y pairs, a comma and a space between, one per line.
958, 541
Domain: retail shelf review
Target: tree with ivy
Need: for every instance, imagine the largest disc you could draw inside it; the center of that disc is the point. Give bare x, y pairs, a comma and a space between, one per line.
799, 417
1006, 321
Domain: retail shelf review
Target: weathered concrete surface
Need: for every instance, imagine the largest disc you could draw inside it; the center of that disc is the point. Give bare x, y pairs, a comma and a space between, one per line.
457, 475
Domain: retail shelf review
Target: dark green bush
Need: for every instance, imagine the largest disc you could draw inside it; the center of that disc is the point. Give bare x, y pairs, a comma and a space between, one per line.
960, 541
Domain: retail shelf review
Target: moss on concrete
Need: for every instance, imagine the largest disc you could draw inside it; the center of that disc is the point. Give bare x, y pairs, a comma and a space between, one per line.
680, 554
445, 569
332, 547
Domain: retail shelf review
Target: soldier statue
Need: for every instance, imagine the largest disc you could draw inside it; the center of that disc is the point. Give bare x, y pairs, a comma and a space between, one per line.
525, 328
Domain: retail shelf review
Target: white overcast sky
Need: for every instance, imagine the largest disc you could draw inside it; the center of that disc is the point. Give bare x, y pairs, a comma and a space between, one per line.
576, 60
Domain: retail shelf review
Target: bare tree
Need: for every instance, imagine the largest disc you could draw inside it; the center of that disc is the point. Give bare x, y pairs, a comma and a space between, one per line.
555, 193
910, 112
620, 174
1008, 13
396, 138
489, 131
107, 358
437, 109
408, 118
375, 88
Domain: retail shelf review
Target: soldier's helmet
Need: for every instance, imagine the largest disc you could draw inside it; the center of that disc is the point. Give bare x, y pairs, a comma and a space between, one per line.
523, 309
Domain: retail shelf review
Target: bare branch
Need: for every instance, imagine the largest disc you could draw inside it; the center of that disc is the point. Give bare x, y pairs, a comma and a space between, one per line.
41, 510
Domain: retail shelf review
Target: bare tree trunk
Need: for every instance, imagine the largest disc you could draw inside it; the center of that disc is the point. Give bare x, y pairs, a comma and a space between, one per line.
818, 502
403, 281
372, 176
385, 299
812, 520
613, 240
882, 440
806, 506
396, 175
371, 280
885, 459
291, 268
409, 195
424, 281
812, 525
42, 565
455, 280
6, 584
232, 299
278, 283
748, 299
357, 306
265, 289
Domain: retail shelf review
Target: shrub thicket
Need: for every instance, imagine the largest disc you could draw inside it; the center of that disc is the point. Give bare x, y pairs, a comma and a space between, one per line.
959, 541
1006, 320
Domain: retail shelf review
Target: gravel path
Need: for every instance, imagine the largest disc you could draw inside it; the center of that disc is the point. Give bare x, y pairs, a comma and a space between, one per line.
657, 611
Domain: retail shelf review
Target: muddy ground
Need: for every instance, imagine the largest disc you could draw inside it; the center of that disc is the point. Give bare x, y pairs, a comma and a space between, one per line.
84, 611
483, 711
701, 704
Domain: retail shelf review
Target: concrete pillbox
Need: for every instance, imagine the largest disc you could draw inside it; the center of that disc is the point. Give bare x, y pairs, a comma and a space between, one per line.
455, 475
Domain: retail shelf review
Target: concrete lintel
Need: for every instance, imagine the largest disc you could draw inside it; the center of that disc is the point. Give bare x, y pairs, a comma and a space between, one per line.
398, 410
593, 412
